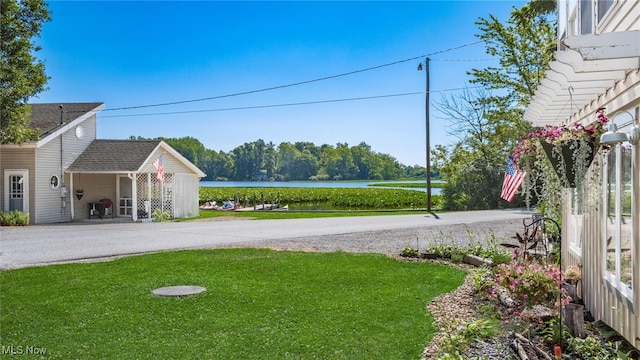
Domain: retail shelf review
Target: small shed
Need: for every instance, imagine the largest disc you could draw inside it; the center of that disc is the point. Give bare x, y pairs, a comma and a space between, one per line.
133, 178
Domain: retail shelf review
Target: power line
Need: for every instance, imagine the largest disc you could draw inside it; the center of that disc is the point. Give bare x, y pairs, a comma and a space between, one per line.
293, 84
461, 60
267, 106
285, 105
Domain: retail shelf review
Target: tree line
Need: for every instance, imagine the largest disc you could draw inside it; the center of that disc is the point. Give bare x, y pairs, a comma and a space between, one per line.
265, 161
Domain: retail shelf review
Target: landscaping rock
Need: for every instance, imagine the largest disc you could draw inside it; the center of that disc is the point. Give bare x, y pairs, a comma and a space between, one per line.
476, 260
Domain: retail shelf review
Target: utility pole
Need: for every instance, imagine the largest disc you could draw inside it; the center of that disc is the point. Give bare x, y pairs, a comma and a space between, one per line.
428, 140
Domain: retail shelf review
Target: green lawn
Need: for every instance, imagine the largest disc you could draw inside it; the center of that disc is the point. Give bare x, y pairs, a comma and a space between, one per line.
259, 304
272, 215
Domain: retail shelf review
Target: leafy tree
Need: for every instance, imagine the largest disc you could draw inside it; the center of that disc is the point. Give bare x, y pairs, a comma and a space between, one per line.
22, 75
270, 160
189, 147
220, 166
365, 160
316, 151
415, 171
339, 163
306, 165
439, 157
524, 47
243, 159
390, 167
489, 121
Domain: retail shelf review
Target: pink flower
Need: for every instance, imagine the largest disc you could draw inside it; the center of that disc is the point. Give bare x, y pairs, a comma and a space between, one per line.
526, 148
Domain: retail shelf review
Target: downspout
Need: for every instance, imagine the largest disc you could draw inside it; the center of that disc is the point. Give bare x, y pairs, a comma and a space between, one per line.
62, 187
73, 213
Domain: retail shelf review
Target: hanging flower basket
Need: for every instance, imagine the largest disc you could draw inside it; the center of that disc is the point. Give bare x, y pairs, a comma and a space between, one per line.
556, 157
570, 160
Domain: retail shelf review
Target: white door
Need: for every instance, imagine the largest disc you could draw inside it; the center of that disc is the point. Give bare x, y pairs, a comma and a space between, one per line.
16, 190
125, 201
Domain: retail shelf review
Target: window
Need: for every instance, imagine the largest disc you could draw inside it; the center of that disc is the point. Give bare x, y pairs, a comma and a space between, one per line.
618, 233
572, 26
586, 10
603, 6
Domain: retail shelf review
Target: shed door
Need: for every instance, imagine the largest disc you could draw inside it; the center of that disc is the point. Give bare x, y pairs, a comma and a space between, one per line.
125, 201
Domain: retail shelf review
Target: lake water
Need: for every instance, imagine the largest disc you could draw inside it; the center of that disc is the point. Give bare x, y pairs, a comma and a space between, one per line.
309, 184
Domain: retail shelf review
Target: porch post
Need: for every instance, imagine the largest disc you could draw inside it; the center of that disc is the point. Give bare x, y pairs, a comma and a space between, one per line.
148, 195
72, 191
134, 196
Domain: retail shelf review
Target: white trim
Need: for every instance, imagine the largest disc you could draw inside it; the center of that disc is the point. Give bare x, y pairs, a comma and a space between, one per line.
612, 45
612, 280
575, 235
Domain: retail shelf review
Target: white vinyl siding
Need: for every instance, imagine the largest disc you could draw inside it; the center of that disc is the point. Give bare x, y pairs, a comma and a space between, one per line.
51, 206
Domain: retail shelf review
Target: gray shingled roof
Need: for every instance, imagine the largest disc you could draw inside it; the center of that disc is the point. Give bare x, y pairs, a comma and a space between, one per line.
46, 117
114, 156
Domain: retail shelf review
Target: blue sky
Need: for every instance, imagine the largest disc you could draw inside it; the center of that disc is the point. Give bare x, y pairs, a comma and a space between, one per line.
132, 54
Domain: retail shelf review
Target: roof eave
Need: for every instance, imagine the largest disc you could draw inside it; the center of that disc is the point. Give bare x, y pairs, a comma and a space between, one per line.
591, 66
61, 130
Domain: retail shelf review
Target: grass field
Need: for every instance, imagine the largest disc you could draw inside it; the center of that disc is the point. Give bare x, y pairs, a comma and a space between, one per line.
341, 198
271, 215
259, 304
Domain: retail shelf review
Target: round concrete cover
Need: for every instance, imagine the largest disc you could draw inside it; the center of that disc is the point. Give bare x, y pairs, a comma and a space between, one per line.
182, 290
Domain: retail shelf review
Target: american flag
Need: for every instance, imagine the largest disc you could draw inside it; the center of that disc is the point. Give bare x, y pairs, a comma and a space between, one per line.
158, 164
512, 180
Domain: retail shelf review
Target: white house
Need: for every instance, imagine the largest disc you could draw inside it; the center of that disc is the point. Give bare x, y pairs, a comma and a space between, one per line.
597, 64
69, 174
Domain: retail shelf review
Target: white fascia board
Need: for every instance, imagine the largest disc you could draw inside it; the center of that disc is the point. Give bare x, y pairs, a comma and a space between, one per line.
97, 172
573, 59
611, 45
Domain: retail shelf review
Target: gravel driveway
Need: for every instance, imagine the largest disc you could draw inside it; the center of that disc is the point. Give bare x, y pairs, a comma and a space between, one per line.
393, 241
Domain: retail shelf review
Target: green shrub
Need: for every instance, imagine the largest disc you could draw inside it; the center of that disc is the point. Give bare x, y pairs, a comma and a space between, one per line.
408, 251
553, 333
14, 218
591, 348
160, 216
501, 258
457, 258
489, 247
461, 334
482, 279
